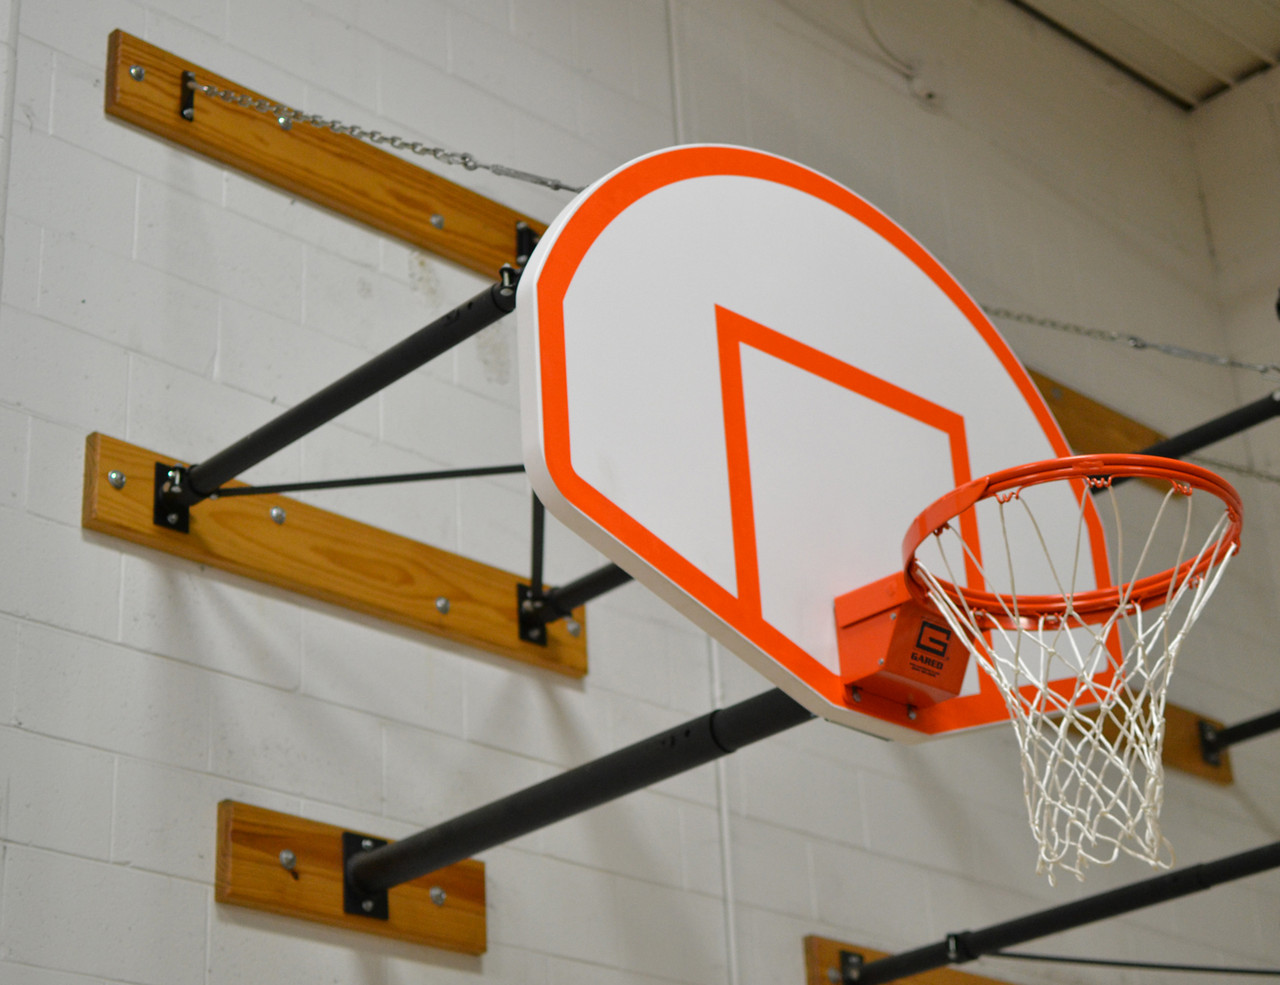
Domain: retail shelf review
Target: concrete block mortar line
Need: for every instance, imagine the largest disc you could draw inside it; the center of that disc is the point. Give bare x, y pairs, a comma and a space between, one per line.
6, 126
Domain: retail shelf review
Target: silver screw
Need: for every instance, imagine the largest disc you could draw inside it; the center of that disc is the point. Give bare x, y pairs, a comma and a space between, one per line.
285, 122
367, 906
911, 712
442, 605
437, 220
573, 626
536, 632
277, 514
288, 860
117, 479
366, 843
833, 976
173, 519
438, 895
137, 72
857, 695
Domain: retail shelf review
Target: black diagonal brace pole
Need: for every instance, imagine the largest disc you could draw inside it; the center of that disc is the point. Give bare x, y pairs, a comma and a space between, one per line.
1214, 740
972, 944
178, 489
1230, 423
637, 766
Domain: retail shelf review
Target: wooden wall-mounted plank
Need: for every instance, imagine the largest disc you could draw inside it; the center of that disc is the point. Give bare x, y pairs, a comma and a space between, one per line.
822, 956
344, 174
250, 873
1182, 746
1090, 427
328, 557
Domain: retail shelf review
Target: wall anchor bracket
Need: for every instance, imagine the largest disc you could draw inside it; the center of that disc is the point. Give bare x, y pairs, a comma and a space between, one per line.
187, 97
355, 900
531, 616
170, 511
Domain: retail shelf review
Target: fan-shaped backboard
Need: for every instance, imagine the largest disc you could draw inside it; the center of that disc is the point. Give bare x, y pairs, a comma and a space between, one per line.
741, 382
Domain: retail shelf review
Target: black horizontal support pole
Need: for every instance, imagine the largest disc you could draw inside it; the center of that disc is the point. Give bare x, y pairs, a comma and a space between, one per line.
635, 767
1226, 426
1214, 740
972, 944
367, 480
378, 373
559, 602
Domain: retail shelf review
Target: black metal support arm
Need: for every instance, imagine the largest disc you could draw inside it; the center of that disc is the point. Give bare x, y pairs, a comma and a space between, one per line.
1228, 424
972, 944
368, 480
1214, 740
179, 489
566, 598
536, 609
633, 768
538, 524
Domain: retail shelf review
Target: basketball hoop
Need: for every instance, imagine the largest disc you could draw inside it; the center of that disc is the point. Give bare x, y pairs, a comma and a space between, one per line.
1090, 740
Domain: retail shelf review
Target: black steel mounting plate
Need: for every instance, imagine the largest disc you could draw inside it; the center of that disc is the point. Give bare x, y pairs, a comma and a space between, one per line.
356, 901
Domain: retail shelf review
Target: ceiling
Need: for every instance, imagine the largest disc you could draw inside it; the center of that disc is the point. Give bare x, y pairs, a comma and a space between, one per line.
1187, 50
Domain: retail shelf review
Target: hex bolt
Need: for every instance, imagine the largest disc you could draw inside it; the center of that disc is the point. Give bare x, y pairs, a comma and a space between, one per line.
437, 220
367, 905
442, 605
438, 895
278, 514
288, 860
573, 626
137, 72
117, 479
285, 122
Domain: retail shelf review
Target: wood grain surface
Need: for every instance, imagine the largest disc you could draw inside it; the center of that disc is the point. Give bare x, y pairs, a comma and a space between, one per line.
340, 172
250, 873
328, 557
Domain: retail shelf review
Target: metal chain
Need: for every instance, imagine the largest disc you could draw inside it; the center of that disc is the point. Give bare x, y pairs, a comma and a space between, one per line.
1132, 341
286, 116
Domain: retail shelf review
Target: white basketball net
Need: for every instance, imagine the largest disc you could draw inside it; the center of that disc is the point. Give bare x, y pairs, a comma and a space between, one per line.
1091, 766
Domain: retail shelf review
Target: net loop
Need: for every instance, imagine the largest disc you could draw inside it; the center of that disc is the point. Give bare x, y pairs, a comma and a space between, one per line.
1083, 669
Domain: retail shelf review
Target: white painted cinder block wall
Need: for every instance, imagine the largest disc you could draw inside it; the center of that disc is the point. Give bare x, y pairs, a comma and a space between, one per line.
150, 295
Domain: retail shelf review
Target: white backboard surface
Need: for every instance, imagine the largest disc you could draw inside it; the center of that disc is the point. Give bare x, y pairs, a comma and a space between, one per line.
741, 382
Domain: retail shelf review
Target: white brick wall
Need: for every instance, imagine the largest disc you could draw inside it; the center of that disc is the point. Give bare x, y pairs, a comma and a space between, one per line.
150, 294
